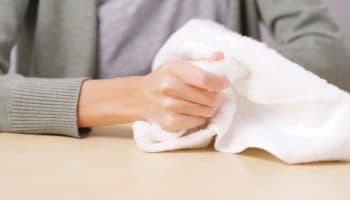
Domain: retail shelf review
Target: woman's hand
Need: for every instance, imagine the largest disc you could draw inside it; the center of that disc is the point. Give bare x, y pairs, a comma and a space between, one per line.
180, 95
177, 96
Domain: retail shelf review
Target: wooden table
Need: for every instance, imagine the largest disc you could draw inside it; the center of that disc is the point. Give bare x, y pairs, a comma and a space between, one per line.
108, 165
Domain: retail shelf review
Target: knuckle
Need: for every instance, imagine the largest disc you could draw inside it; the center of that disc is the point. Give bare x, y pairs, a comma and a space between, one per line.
170, 64
169, 105
166, 86
203, 79
213, 99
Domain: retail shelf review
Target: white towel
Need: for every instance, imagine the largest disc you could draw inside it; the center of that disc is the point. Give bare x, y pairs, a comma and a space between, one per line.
272, 103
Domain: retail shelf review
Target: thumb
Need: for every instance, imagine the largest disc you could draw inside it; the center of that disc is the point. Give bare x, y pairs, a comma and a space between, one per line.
216, 56
213, 57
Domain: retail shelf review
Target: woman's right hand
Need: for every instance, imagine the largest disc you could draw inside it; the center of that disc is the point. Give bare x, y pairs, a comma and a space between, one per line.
179, 95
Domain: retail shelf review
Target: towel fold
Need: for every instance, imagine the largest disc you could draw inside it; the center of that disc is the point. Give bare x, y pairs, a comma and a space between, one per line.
272, 103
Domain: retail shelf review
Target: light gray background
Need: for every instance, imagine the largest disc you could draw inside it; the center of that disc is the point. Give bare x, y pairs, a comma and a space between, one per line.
339, 11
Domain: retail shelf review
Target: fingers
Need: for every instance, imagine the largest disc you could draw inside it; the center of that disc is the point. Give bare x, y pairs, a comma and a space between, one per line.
216, 56
178, 122
184, 107
186, 95
180, 90
185, 115
197, 77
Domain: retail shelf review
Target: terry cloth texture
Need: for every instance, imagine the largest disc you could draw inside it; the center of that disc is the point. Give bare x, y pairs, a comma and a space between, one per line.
57, 49
272, 103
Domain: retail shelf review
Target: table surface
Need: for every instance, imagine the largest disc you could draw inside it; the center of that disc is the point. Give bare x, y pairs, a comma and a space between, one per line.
108, 165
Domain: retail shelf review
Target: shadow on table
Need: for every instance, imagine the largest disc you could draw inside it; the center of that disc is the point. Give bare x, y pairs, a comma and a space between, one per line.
266, 156
125, 132
120, 131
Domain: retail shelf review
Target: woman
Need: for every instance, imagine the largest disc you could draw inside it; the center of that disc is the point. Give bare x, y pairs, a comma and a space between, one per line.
112, 44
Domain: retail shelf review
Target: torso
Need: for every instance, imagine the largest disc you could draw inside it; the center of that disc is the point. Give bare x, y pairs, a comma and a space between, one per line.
130, 34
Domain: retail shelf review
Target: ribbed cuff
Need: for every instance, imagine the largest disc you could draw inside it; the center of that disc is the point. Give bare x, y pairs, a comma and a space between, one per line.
45, 106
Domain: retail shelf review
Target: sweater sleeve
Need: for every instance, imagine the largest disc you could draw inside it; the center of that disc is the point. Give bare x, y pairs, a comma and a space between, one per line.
32, 105
305, 33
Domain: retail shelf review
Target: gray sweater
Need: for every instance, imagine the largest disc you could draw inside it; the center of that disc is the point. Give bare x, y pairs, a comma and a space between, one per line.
130, 34
57, 43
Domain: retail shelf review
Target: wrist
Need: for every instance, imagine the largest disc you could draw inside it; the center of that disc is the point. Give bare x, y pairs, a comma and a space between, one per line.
110, 101
133, 100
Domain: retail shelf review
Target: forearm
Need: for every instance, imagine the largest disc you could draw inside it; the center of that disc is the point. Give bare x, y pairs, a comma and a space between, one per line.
61, 106
110, 101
